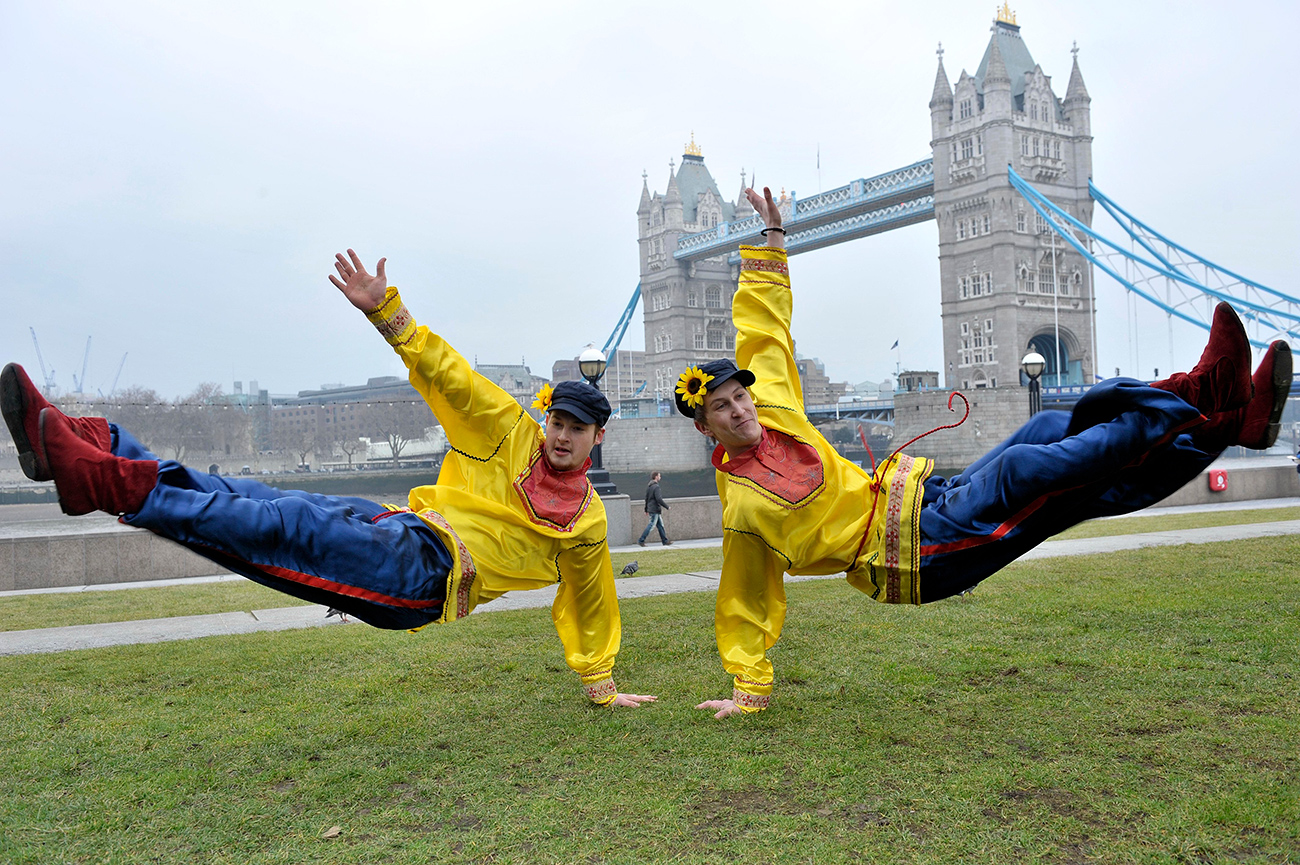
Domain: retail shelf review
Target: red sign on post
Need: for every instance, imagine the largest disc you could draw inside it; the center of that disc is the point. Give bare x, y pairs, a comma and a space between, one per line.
1218, 480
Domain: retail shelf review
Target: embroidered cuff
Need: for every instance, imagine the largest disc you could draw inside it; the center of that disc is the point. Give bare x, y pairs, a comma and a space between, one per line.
751, 696
599, 687
392, 319
765, 260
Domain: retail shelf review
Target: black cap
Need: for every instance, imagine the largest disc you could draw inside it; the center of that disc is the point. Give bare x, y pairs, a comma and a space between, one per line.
582, 401
722, 371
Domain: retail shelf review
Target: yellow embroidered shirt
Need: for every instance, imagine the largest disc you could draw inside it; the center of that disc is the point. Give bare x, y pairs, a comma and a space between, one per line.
793, 504
510, 520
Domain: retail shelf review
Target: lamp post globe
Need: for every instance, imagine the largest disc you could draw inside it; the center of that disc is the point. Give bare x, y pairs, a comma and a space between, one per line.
592, 364
1033, 364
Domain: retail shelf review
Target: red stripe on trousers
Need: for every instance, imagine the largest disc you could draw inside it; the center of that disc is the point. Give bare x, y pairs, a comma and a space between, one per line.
1000, 531
331, 586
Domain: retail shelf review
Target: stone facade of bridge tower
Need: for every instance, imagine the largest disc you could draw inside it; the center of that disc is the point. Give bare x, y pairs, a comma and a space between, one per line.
1003, 293
687, 306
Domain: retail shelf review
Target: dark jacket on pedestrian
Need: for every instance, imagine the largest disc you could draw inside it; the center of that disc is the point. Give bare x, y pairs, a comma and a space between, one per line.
654, 500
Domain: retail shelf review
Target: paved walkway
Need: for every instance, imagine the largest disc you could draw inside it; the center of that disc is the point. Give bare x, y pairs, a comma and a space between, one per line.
220, 624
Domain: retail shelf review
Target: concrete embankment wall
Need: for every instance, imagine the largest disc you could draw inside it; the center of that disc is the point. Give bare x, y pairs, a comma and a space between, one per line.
121, 554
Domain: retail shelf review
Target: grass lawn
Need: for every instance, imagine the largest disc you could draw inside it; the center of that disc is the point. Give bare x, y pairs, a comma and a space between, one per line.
1122, 708
21, 612
56, 609
1169, 522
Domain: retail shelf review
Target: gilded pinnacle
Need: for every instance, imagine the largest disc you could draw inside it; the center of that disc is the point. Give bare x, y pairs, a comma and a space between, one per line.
693, 149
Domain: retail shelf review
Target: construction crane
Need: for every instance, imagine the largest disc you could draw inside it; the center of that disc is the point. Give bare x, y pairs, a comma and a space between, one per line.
49, 376
80, 383
112, 390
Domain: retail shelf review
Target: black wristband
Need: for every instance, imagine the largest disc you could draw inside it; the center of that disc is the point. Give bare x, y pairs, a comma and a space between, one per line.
773, 228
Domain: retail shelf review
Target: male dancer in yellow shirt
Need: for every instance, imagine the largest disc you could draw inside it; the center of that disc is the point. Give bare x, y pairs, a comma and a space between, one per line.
791, 504
512, 508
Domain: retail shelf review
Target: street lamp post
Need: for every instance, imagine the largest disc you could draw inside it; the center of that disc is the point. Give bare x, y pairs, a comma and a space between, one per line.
1033, 365
592, 364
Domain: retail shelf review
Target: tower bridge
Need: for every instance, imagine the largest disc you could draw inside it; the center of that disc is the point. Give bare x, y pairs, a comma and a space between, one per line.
1008, 184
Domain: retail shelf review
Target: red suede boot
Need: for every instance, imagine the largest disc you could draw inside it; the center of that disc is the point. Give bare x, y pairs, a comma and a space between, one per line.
1220, 381
89, 479
22, 403
1257, 424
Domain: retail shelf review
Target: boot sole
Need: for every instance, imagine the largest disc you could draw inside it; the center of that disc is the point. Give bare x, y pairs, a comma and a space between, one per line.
13, 408
1281, 391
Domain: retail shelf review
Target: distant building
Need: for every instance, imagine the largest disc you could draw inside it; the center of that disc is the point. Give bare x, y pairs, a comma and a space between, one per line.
515, 379
818, 389
867, 390
915, 380
625, 377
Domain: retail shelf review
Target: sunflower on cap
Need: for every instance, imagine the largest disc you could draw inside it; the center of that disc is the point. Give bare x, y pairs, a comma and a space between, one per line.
692, 386
542, 402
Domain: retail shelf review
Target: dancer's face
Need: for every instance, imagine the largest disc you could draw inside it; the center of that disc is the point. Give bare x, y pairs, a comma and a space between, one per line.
730, 417
569, 441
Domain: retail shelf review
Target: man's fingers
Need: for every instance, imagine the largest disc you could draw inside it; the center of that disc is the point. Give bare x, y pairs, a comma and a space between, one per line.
712, 704
641, 698
344, 271
356, 260
724, 713
334, 279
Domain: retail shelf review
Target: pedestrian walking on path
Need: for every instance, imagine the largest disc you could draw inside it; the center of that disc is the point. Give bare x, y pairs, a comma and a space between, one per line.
654, 507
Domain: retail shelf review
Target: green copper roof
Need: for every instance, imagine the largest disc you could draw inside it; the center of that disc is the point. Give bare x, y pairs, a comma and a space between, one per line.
1016, 56
692, 179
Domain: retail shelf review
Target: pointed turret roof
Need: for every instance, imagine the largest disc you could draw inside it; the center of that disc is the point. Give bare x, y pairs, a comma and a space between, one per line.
672, 195
1076, 89
644, 206
1013, 54
693, 179
743, 207
995, 71
942, 94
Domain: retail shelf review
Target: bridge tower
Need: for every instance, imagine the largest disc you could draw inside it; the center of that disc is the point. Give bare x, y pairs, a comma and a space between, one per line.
687, 306
1006, 287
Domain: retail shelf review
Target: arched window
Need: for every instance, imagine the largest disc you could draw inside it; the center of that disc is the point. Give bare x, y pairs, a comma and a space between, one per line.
713, 297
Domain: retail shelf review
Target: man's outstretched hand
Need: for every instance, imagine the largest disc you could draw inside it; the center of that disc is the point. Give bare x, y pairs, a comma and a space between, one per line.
631, 701
723, 708
362, 290
770, 212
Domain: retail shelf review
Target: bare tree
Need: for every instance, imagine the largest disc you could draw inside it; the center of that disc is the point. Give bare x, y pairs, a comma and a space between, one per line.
352, 446
334, 436
139, 410
299, 440
401, 422
190, 424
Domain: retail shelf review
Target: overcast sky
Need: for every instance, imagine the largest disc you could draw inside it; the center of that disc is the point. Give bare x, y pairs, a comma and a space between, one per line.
176, 177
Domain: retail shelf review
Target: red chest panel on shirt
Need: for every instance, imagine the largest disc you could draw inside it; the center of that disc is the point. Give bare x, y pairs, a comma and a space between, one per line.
554, 499
782, 465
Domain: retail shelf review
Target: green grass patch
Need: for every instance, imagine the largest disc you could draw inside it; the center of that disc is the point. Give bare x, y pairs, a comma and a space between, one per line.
667, 560
57, 609
21, 612
1170, 522
1136, 707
